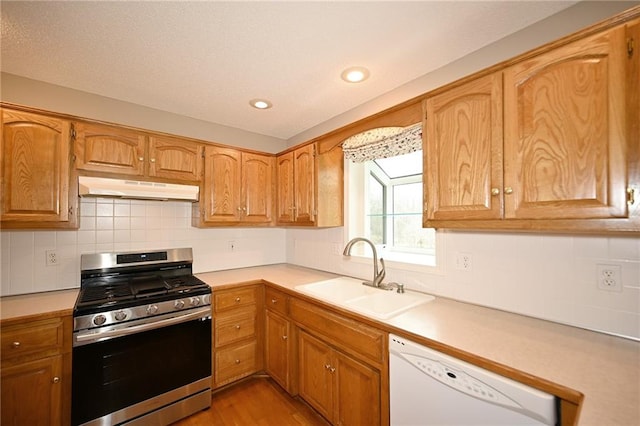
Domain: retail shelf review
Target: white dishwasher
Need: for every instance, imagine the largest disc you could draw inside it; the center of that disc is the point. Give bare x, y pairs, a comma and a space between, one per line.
430, 388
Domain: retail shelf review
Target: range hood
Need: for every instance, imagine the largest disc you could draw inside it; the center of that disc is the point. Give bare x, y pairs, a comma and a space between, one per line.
120, 188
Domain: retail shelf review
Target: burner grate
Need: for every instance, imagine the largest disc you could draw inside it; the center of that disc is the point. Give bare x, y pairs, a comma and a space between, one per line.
109, 292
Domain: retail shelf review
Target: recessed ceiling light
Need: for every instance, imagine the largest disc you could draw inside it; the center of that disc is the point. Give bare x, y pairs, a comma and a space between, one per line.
355, 74
260, 103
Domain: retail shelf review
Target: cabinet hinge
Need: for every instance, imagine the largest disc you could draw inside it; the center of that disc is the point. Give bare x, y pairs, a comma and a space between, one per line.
73, 132
631, 196
630, 46
314, 151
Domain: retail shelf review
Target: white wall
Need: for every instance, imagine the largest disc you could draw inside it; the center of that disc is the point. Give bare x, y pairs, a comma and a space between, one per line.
114, 225
540, 275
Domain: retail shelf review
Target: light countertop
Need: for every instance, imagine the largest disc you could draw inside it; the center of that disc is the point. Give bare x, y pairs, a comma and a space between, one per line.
606, 369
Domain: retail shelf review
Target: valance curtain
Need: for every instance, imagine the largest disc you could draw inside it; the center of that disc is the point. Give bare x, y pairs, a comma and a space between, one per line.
383, 142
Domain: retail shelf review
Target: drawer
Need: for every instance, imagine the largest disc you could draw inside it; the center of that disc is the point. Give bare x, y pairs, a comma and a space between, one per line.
229, 299
235, 362
34, 340
235, 327
351, 336
276, 301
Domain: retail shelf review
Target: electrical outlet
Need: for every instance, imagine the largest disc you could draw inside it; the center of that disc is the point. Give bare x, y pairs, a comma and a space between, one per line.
609, 277
51, 258
463, 261
231, 245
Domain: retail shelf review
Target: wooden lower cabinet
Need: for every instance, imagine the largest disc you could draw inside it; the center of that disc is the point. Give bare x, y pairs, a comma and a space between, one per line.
278, 354
36, 371
342, 389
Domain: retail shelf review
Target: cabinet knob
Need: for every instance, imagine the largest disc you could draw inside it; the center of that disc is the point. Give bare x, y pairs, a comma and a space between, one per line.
56, 379
153, 160
284, 337
327, 366
239, 209
332, 369
140, 158
508, 190
238, 327
15, 345
495, 191
237, 361
237, 299
274, 301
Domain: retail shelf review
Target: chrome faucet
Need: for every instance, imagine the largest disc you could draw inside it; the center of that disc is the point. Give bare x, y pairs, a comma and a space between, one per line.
377, 276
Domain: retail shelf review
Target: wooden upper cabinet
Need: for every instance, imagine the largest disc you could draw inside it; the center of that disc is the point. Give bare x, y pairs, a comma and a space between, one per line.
565, 131
237, 187
463, 151
36, 172
285, 203
173, 158
304, 187
110, 149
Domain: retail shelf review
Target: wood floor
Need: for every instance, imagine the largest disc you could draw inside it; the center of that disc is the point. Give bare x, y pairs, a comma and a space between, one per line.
257, 401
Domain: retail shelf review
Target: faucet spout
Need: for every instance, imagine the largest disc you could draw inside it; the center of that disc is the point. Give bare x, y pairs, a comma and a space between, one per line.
378, 275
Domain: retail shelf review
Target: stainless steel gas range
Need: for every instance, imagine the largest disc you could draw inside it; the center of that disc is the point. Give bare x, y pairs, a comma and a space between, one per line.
141, 339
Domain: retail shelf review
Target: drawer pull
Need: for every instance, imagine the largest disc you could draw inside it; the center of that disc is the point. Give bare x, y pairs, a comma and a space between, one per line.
284, 337
237, 361
15, 345
508, 190
237, 299
56, 379
238, 327
327, 366
274, 301
332, 369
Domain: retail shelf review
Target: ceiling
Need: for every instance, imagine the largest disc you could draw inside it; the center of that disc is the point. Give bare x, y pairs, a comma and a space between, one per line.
207, 59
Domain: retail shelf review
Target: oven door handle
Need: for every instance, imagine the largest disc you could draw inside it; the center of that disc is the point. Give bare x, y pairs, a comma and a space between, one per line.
82, 338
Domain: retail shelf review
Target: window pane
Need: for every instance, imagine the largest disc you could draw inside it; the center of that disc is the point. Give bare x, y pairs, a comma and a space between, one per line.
376, 210
401, 165
407, 218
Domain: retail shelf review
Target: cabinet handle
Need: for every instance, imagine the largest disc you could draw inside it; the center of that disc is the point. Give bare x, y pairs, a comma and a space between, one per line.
495, 191
239, 209
237, 300
332, 369
284, 337
56, 379
631, 196
237, 361
274, 301
508, 190
327, 366
238, 327
153, 160
15, 345
140, 158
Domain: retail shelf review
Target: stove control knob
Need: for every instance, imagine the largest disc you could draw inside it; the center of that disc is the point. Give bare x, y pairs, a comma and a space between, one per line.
195, 301
120, 315
99, 319
178, 304
152, 309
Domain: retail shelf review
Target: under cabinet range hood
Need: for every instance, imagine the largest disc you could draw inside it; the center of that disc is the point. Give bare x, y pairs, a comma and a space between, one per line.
141, 190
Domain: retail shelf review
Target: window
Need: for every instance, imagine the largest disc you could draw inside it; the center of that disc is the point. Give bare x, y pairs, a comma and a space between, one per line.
390, 191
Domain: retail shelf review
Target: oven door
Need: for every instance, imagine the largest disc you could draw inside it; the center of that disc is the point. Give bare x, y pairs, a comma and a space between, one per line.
128, 376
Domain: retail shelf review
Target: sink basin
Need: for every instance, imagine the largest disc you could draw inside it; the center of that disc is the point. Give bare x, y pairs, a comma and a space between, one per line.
349, 293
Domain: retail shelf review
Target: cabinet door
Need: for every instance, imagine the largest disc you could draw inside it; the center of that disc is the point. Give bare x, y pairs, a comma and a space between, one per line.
357, 392
109, 149
315, 376
222, 181
285, 203
175, 159
565, 131
463, 151
277, 348
31, 393
257, 187
35, 159
304, 184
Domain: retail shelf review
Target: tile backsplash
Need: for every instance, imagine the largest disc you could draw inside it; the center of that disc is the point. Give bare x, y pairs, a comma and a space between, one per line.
117, 225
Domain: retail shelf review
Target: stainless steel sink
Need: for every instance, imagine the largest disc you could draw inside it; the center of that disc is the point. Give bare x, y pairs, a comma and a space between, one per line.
349, 293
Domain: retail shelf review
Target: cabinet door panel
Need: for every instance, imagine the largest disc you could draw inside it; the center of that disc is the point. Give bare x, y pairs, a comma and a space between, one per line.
565, 137
304, 189
175, 159
31, 393
277, 348
257, 186
221, 194
358, 393
35, 168
285, 201
109, 149
315, 377
463, 151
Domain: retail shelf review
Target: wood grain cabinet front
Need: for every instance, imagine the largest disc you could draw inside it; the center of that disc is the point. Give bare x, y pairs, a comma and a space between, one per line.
237, 188
280, 346
119, 151
541, 144
38, 182
36, 371
237, 350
